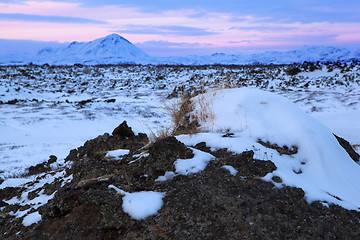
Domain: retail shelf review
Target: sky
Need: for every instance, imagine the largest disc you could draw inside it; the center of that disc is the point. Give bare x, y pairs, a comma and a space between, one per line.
177, 28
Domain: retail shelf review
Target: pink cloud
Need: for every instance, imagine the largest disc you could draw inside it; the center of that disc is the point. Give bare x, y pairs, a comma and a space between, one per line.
237, 32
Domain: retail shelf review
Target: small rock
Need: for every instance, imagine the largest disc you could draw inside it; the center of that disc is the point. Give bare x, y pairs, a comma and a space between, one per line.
51, 160
123, 131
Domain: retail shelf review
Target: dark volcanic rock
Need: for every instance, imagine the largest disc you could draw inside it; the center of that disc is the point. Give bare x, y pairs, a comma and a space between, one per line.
41, 167
346, 145
211, 204
281, 150
170, 147
123, 131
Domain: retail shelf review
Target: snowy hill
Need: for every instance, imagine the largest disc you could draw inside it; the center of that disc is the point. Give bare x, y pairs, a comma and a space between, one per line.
310, 157
307, 53
112, 49
303, 54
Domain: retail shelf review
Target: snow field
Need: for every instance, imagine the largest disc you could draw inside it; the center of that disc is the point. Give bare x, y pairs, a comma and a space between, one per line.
61, 118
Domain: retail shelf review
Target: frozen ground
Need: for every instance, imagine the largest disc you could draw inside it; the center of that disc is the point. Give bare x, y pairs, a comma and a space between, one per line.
51, 110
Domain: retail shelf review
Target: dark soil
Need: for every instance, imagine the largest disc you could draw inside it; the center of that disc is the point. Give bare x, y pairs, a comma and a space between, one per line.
211, 204
281, 150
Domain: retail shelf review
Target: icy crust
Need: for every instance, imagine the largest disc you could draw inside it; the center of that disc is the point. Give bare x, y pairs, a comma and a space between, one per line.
321, 167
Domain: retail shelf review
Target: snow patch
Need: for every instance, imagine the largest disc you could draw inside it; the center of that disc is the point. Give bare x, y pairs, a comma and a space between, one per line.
140, 205
31, 219
168, 176
231, 169
117, 153
193, 165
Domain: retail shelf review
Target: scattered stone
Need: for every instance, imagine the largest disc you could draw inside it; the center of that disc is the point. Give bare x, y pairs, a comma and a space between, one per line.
52, 159
292, 71
202, 147
228, 134
276, 179
83, 102
12, 102
41, 167
37, 169
110, 100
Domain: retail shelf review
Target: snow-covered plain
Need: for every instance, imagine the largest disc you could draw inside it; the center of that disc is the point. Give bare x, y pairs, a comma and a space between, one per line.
57, 109
48, 110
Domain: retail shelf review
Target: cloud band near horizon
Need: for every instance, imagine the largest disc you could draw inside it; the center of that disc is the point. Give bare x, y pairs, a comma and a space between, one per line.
234, 26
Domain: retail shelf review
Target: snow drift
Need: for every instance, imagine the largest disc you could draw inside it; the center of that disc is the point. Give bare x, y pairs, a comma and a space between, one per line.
320, 166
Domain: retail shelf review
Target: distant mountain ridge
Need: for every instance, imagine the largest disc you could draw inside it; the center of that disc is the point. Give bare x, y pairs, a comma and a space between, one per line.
114, 49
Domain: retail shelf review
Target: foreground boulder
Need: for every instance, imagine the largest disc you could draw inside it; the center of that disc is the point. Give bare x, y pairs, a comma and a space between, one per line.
216, 203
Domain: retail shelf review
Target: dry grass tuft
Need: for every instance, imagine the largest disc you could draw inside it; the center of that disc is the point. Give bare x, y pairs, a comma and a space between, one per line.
204, 107
182, 120
160, 134
184, 117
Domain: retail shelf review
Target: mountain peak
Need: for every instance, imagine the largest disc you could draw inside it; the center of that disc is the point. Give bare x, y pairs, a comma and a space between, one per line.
112, 49
113, 38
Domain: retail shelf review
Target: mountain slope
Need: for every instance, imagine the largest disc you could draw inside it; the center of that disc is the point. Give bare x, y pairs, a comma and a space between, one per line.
306, 53
112, 49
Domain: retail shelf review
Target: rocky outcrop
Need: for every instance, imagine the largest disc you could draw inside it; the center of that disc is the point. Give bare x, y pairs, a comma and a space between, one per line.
210, 204
123, 131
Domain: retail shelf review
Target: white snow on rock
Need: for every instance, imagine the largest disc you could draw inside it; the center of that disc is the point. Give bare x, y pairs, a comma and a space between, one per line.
231, 169
322, 168
140, 205
31, 219
193, 165
35, 183
168, 175
117, 153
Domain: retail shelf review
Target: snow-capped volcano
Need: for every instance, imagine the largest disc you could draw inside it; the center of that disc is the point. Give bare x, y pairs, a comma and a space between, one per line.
112, 49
